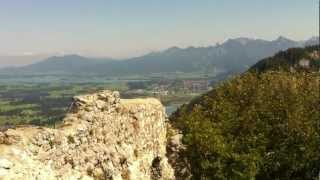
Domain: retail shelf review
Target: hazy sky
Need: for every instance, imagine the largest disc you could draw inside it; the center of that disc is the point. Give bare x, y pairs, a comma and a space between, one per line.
120, 28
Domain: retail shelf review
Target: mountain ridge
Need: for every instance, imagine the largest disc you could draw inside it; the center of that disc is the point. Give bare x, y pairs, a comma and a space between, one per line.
234, 55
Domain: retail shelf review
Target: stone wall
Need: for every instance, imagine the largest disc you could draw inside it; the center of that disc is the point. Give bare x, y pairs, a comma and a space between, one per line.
103, 137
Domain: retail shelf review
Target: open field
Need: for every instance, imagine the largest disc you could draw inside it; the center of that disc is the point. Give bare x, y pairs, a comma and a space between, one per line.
44, 101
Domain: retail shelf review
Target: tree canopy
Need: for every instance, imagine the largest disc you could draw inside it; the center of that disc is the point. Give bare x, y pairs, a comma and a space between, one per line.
256, 126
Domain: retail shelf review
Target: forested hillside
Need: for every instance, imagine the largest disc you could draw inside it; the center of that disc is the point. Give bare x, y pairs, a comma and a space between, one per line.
263, 124
295, 59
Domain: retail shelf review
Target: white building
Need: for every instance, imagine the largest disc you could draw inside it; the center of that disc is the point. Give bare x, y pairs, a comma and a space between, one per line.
305, 63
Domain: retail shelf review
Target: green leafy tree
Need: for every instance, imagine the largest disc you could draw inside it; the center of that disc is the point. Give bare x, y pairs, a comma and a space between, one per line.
262, 126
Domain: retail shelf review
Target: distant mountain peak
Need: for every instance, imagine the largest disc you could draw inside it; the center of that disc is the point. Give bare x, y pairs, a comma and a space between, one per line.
312, 41
314, 38
69, 56
173, 49
72, 55
283, 39
242, 40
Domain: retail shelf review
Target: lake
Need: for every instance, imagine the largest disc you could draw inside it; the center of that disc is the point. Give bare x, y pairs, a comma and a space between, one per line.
172, 108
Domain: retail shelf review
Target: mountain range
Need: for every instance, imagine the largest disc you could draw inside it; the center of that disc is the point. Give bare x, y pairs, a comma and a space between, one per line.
234, 55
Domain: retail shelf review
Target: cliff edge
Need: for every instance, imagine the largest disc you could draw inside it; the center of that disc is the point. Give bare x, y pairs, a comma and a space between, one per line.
102, 137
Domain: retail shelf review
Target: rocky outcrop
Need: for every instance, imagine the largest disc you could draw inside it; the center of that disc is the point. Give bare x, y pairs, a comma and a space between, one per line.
103, 137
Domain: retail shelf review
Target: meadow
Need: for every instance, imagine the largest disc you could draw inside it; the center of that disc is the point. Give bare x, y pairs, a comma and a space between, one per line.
44, 100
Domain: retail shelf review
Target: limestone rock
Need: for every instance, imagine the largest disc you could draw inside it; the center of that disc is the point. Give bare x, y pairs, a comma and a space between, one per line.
5, 164
103, 137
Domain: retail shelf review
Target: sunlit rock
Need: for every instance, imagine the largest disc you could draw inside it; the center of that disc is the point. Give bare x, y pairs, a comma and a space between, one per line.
103, 137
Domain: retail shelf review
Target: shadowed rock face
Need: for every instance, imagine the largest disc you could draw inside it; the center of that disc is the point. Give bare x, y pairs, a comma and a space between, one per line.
103, 137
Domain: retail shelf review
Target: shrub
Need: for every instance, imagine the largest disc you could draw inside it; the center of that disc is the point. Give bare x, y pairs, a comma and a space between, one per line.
255, 127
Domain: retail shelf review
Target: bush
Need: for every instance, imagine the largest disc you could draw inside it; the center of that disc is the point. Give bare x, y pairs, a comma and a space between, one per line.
255, 127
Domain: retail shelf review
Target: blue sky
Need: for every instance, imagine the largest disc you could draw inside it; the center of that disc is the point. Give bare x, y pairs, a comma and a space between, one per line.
121, 28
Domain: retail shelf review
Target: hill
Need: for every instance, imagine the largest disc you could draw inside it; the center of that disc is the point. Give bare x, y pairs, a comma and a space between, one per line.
260, 125
234, 55
295, 59
65, 64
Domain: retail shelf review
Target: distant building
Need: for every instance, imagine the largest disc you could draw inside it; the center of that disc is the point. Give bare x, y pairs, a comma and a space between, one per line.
163, 85
305, 63
315, 55
196, 85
